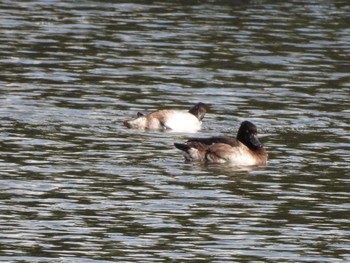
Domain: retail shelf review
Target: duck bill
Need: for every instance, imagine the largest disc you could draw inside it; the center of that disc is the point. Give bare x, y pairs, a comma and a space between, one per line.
254, 141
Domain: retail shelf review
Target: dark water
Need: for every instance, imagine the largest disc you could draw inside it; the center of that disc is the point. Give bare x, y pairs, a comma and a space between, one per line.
76, 186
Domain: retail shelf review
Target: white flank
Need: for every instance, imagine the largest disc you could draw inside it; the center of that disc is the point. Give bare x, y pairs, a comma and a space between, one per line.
240, 157
182, 122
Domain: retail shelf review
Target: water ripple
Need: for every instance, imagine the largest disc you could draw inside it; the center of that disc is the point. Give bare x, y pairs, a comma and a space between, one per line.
79, 187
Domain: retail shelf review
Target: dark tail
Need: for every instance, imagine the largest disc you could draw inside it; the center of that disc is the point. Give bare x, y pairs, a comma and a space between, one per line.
182, 146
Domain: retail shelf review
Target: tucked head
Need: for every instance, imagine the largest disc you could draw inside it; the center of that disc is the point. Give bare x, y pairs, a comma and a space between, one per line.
247, 134
199, 110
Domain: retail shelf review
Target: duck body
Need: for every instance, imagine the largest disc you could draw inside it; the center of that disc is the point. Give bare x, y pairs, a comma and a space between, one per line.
244, 150
170, 120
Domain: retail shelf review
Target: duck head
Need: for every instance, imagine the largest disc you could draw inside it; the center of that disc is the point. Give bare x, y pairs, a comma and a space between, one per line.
248, 135
199, 110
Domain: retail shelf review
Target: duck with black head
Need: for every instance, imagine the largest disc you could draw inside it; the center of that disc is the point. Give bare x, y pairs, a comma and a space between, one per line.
244, 150
170, 120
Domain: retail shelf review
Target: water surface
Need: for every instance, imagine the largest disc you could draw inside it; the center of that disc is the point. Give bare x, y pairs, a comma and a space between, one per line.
77, 186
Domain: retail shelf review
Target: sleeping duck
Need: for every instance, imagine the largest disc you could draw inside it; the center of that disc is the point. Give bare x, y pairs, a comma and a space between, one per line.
170, 120
244, 150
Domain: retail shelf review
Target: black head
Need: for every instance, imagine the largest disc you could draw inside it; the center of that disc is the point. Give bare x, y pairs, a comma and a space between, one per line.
248, 135
199, 110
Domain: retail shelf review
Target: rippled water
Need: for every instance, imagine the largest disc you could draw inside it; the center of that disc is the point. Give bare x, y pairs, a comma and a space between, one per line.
77, 186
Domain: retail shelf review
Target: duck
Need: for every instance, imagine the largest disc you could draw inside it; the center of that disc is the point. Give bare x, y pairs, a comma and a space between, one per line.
243, 150
170, 120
